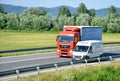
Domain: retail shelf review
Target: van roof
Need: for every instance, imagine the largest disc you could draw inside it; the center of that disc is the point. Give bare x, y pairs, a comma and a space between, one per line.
88, 42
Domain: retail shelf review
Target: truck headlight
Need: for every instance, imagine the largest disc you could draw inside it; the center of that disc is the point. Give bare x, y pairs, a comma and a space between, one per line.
71, 51
58, 50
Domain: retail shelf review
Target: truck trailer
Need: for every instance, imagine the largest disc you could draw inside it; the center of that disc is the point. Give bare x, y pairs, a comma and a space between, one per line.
68, 38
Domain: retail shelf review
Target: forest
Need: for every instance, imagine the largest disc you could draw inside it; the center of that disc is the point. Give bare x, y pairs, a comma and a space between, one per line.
37, 19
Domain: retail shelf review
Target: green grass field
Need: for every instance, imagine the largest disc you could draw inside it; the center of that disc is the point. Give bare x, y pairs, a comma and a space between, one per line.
18, 40
110, 37
102, 72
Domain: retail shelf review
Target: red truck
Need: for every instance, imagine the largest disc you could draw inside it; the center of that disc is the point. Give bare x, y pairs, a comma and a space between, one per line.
67, 39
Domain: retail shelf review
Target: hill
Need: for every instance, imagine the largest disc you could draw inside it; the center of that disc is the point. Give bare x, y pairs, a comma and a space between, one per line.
12, 9
52, 11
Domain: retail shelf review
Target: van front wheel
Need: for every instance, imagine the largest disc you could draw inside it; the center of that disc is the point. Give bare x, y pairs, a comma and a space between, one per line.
101, 55
86, 57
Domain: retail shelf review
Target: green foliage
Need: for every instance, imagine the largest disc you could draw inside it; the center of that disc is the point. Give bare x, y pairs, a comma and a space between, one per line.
26, 22
12, 22
114, 27
64, 11
104, 27
3, 21
82, 9
2, 10
96, 21
111, 9
37, 19
113, 24
34, 11
91, 12
83, 19
62, 21
42, 23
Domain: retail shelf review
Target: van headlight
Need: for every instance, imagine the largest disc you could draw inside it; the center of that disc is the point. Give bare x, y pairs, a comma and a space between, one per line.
73, 56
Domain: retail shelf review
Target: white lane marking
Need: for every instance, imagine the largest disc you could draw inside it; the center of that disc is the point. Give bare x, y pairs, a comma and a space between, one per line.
27, 59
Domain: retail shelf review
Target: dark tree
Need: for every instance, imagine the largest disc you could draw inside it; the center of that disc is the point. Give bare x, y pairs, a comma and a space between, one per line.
82, 9
92, 12
112, 9
2, 10
64, 11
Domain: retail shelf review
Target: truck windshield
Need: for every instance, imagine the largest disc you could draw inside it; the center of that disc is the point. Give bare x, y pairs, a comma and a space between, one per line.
62, 38
81, 48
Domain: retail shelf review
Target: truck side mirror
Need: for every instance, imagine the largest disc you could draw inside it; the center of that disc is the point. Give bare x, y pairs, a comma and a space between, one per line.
57, 38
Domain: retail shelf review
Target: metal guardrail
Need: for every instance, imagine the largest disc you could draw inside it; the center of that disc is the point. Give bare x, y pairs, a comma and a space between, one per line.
43, 48
56, 65
111, 43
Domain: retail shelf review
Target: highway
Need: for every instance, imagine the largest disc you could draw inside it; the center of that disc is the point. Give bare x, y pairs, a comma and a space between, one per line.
23, 61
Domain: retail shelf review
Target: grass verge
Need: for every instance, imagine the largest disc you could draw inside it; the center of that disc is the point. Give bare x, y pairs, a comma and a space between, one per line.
102, 72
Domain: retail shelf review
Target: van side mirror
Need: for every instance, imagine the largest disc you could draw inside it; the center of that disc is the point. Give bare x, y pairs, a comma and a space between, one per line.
90, 50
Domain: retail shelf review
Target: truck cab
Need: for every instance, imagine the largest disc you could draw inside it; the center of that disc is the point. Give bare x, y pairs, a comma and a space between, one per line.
66, 41
87, 49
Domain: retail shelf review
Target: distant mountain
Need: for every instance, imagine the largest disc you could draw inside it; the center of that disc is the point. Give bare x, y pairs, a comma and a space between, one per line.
52, 11
12, 9
103, 12
19, 9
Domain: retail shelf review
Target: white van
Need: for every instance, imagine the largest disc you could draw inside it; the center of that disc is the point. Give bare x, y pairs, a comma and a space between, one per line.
87, 49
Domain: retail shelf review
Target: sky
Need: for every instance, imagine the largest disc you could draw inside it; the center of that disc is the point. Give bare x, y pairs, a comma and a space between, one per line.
96, 4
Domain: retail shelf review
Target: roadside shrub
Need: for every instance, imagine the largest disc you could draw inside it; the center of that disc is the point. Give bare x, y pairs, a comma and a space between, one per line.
114, 27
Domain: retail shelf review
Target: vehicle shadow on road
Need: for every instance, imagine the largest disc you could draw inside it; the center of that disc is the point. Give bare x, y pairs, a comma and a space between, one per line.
110, 54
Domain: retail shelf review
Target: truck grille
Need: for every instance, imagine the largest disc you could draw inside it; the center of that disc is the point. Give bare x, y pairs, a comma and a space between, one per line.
65, 46
64, 52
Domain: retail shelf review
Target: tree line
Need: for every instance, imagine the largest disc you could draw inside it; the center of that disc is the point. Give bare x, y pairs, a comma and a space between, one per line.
39, 20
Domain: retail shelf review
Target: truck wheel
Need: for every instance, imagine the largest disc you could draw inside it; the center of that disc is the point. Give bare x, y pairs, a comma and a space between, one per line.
73, 59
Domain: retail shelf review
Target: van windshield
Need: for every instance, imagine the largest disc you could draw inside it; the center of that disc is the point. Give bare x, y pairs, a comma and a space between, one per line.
81, 48
63, 38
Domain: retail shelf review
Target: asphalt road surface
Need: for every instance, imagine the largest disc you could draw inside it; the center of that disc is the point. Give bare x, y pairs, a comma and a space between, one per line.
16, 62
